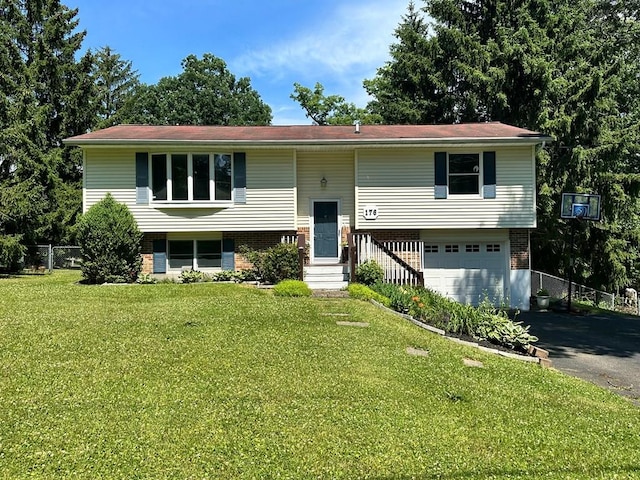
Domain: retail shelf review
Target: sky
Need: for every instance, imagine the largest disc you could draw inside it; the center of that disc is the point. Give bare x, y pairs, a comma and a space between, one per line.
275, 43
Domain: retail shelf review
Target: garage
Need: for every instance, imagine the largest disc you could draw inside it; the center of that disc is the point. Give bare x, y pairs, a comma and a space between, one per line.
466, 271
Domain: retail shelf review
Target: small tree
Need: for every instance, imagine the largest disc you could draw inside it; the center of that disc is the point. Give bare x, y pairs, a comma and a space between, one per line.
111, 242
11, 253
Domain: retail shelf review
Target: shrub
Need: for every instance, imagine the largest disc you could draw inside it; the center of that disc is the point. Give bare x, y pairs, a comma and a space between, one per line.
274, 264
369, 273
110, 243
292, 288
399, 297
362, 292
193, 276
146, 279
11, 253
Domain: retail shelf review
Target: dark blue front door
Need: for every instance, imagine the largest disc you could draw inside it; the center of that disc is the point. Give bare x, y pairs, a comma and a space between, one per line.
325, 229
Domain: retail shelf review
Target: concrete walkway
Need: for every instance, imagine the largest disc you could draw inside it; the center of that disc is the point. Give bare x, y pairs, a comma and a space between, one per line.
601, 348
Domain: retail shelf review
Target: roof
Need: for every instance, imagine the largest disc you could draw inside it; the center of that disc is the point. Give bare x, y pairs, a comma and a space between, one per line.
494, 132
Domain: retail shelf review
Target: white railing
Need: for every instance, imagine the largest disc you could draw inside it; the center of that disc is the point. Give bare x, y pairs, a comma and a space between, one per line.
292, 238
394, 257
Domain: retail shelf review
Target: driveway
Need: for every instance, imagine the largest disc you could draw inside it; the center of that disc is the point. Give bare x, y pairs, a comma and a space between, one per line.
601, 348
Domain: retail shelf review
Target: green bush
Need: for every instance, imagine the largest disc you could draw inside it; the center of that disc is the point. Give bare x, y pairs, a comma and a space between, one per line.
11, 253
362, 292
292, 288
110, 241
369, 273
146, 279
274, 264
193, 276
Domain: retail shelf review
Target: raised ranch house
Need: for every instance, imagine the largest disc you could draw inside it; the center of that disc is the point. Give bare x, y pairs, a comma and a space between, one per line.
451, 206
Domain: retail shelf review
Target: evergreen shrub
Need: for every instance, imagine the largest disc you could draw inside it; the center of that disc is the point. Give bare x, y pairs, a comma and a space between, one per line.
369, 273
274, 264
110, 243
11, 253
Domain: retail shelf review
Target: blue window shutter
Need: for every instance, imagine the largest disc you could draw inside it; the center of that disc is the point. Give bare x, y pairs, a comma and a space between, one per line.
489, 174
240, 177
440, 162
159, 256
228, 257
142, 178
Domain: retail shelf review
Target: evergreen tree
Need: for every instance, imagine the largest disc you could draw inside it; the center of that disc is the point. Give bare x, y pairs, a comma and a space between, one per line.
116, 82
567, 68
46, 96
205, 93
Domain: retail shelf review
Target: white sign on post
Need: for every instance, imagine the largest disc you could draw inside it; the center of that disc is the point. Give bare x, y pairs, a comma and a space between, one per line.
370, 212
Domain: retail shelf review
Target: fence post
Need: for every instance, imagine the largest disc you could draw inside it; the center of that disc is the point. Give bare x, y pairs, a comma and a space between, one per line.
50, 258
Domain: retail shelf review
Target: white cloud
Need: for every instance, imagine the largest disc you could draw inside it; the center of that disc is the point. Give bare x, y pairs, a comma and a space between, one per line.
354, 40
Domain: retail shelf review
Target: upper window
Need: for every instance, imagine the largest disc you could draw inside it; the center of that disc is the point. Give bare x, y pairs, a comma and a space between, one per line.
464, 173
198, 177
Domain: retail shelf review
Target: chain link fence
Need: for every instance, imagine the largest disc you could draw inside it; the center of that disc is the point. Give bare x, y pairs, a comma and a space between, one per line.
40, 258
559, 288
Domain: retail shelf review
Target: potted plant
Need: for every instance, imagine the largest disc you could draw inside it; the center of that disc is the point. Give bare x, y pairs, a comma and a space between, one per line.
542, 298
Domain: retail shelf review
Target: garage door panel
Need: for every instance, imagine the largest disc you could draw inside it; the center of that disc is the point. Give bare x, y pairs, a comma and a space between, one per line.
469, 273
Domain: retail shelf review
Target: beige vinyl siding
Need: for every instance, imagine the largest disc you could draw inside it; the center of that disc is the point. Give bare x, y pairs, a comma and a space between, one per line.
338, 169
401, 184
270, 193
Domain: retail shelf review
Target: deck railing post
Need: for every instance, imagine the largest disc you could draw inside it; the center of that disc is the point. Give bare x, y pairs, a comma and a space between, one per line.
353, 257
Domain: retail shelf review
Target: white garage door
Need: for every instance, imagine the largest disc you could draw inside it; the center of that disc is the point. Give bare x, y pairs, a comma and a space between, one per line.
465, 271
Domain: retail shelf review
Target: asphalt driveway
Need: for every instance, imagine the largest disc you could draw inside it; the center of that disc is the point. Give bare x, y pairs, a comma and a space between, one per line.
601, 348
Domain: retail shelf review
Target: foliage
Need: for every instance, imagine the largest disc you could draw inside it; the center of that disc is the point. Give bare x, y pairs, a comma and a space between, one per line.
11, 253
110, 243
46, 95
543, 292
146, 279
274, 264
330, 109
205, 93
369, 272
362, 292
568, 69
270, 387
486, 322
193, 276
292, 288
229, 275
115, 81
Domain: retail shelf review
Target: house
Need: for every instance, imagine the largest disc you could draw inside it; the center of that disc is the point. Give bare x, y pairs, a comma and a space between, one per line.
456, 202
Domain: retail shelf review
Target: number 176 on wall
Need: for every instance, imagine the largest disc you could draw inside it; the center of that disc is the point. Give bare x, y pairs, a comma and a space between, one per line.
370, 212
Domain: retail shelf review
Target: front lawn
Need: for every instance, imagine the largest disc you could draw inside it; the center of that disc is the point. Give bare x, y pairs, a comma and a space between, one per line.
226, 381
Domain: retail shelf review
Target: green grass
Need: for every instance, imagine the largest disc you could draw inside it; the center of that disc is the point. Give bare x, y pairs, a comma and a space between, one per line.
225, 381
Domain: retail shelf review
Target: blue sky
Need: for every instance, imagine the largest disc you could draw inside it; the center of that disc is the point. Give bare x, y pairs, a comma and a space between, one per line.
274, 42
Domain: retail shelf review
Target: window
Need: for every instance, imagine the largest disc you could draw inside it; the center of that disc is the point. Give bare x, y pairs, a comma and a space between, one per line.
197, 177
180, 253
493, 247
206, 253
451, 248
475, 248
209, 253
464, 173
431, 249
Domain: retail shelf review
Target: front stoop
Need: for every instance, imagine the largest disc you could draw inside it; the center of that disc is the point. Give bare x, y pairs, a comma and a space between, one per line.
326, 277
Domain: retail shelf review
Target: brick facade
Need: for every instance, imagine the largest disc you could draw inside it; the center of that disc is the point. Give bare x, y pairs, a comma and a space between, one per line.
519, 240
253, 240
147, 250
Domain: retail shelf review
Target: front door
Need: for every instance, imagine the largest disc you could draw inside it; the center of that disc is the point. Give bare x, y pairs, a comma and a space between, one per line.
325, 229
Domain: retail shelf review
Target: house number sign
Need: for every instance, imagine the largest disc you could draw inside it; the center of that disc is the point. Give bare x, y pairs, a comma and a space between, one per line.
370, 212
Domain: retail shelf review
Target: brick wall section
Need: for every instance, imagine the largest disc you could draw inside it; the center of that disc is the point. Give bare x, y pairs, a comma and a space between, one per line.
255, 241
519, 239
147, 250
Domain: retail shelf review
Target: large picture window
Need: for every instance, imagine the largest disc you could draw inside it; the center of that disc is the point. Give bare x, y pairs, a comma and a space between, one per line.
195, 254
464, 173
197, 177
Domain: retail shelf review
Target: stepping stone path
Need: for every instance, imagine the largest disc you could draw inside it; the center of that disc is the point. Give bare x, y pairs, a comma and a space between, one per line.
417, 352
472, 363
353, 324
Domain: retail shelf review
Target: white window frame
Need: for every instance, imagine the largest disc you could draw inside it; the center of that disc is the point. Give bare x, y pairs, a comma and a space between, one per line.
478, 175
190, 202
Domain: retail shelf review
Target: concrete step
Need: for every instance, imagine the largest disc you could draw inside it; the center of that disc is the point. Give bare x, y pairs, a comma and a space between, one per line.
326, 277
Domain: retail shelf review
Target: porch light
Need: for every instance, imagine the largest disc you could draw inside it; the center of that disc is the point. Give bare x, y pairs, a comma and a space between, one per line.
323, 182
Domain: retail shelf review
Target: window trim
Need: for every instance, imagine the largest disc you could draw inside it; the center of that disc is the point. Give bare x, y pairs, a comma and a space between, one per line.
190, 202
477, 175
